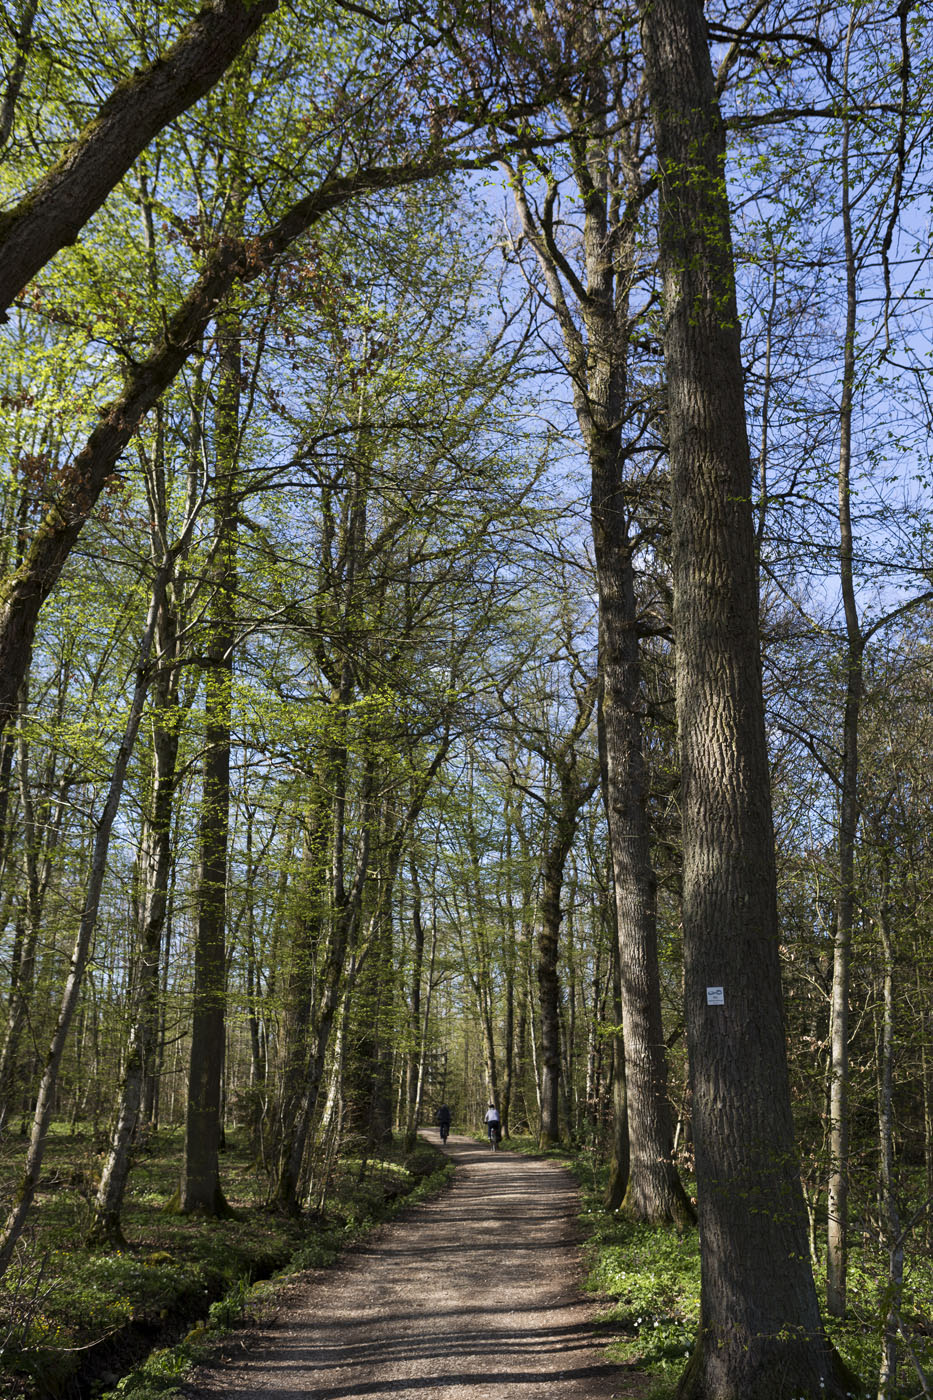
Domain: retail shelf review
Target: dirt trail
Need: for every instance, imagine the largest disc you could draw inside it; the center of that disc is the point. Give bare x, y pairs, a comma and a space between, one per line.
472, 1296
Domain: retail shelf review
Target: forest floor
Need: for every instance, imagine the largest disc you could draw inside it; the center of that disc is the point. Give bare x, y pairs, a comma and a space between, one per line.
473, 1293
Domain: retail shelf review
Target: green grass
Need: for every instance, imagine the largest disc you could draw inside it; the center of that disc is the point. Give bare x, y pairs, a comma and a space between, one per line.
66, 1310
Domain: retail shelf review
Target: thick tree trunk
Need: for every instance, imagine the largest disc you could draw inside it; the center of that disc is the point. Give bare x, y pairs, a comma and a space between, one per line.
598, 370
549, 991
760, 1330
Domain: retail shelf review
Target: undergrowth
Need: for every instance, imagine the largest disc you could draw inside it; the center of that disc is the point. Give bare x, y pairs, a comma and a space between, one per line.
73, 1319
163, 1372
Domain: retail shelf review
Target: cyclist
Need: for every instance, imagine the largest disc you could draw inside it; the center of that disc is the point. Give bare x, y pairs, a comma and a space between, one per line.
443, 1121
493, 1126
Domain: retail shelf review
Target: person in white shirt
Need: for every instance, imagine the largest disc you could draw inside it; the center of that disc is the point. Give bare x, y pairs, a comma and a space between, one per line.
493, 1126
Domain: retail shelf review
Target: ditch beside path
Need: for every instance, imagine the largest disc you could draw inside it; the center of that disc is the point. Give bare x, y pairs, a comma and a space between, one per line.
473, 1296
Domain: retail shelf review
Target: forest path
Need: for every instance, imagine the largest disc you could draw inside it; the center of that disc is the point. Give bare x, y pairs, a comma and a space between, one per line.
473, 1296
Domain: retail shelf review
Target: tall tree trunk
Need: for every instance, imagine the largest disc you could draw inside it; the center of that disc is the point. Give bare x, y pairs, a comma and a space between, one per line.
654, 1191
508, 1041
329, 970
838, 1185
894, 1235
200, 1191
305, 957
414, 1058
574, 793
760, 1330
598, 369
926, 1092
619, 1151
106, 1225
42, 828
426, 1012
549, 919
26, 936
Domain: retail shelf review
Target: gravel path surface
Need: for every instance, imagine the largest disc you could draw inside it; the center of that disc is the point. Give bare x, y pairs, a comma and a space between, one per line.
472, 1296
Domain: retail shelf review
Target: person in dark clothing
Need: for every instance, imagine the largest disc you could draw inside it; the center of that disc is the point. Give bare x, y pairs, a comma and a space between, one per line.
443, 1121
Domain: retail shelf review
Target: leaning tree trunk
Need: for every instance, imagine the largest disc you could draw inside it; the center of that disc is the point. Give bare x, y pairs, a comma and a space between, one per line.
51, 214
106, 1224
760, 1330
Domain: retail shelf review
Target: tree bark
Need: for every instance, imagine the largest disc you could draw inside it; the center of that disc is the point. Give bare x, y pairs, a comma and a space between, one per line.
619, 1150
413, 1058
17, 71
330, 963
106, 1225
654, 1191
838, 1183
760, 1330
200, 1191
549, 921
575, 792
894, 1234
598, 369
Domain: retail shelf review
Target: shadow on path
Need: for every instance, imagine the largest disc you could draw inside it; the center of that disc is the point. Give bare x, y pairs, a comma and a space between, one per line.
473, 1296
